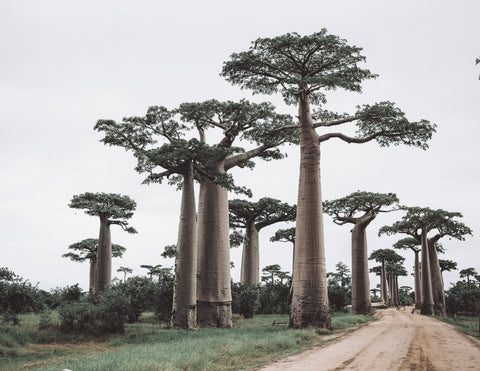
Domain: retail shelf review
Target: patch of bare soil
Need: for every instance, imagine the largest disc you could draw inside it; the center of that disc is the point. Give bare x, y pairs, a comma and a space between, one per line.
399, 340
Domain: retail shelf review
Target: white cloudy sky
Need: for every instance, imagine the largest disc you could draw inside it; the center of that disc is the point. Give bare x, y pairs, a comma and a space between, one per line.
66, 64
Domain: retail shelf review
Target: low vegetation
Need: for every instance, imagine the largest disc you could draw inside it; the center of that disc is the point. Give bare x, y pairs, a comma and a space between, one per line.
149, 345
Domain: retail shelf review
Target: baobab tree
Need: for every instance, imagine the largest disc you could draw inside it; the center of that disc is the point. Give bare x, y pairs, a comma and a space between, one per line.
447, 265
112, 209
417, 223
384, 256
125, 271
253, 217
152, 269
286, 235
266, 129
467, 273
185, 161
394, 270
413, 244
302, 69
360, 209
180, 161
87, 250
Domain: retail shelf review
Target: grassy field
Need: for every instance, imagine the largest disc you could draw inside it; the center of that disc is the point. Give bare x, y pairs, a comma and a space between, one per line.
468, 325
150, 346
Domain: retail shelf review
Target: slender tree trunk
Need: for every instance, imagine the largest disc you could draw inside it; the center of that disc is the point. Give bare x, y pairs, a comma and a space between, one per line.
418, 286
390, 289
438, 292
309, 297
214, 295
383, 285
250, 270
93, 271
427, 296
184, 297
104, 257
397, 294
361, 303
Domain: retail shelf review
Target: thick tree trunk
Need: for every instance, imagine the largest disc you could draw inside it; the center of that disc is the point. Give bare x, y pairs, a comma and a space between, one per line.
250, 270
309, 295
427, 296
214, 295
93, 272
418, 286
438, 293
104, 257
184, 297
383, 285
361, 303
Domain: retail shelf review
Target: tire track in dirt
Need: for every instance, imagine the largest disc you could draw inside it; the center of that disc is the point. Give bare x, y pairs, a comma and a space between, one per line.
398, 340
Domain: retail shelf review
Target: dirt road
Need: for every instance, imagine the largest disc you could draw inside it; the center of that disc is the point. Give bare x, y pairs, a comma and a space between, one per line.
399, 340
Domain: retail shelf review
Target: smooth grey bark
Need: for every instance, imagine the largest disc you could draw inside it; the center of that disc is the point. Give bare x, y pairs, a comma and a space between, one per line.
92, 274
104, 256
383, 277
361, 302
214, 296
427, 296
418, 286
184, 296
438, 292
250, 269
309, 305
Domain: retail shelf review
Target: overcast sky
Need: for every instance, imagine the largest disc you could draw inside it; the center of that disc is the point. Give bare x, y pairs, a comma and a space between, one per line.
66, 64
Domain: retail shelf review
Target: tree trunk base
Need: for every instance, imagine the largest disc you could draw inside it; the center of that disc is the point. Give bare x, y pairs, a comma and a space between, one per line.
215, 314
427, 310
440, 311
363, 309
317, 317
185, 318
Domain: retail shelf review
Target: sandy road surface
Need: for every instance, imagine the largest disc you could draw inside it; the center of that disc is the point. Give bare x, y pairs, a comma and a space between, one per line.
399, 340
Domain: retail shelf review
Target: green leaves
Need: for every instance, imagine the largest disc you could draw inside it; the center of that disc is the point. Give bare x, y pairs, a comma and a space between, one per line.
292, 64
417, 218
109, 205
266, 211
346, 209
388, 125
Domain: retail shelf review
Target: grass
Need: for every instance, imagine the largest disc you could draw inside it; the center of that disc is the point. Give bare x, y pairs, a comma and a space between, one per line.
466, 324
150, 346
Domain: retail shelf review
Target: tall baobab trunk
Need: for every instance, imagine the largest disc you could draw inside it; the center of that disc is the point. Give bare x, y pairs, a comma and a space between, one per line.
383, 277
361, 303
427, 296
104, 256
418, 286
250, 270
93, 272
390, 289
309, 295
214, 295
438, 293
184, 297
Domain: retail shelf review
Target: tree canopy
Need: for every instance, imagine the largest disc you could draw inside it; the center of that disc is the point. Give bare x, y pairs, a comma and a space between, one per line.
87, 250
346, 209
116, 208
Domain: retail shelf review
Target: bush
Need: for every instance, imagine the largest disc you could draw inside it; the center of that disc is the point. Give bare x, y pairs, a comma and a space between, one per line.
97, 314
17, 296
141, 292
245, 299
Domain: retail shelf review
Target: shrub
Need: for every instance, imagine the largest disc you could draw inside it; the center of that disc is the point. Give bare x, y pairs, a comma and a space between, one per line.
98, 314
17, 296
245, 299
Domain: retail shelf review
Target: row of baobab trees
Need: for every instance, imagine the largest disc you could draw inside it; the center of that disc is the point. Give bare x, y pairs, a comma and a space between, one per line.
171, 145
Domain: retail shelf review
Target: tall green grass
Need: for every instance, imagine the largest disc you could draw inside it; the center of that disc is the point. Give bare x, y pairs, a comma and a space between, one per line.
149, 346
466, 324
